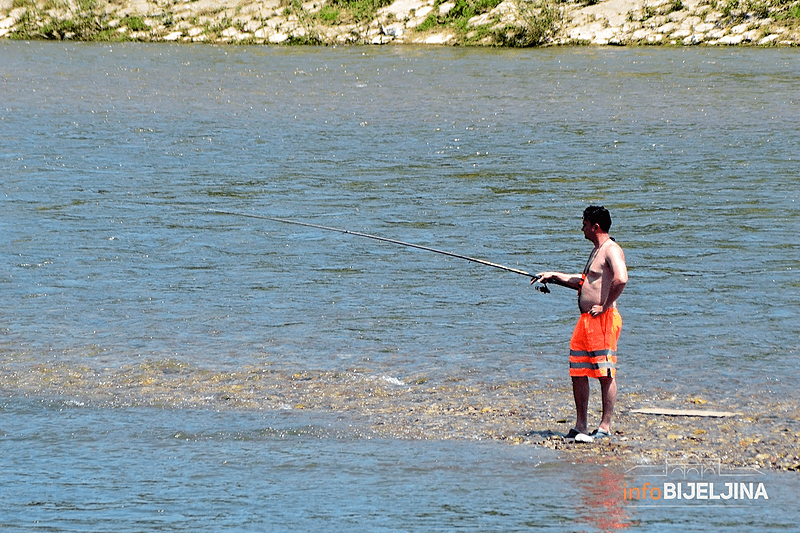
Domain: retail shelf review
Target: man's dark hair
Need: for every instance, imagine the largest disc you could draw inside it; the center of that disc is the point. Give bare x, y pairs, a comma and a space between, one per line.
597, 214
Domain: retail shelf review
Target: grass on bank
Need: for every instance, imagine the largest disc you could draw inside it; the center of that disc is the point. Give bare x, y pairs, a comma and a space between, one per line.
535, 21
741, 10
355, 10
81, 21
732, 11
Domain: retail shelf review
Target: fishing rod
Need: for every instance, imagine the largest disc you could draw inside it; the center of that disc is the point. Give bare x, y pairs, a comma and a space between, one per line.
542, 288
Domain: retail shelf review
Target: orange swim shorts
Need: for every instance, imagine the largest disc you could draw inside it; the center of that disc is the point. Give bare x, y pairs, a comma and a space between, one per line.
593, 346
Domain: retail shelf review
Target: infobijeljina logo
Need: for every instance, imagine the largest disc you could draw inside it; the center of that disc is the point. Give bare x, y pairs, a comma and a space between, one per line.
693, 482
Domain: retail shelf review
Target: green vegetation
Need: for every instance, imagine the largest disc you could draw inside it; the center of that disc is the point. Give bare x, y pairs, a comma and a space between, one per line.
740, 10
328, 14
674, 5
537, 24
358, 10
134, 23
87, 5
458, 16
534, 23
86, 24
54, 4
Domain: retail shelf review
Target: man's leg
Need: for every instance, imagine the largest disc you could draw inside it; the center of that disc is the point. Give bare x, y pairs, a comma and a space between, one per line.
580, 391
608, 388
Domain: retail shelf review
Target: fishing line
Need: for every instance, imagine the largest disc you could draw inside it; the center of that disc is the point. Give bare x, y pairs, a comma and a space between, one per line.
542, 288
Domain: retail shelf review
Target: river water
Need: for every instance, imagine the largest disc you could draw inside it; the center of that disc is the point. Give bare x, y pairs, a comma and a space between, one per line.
112, 155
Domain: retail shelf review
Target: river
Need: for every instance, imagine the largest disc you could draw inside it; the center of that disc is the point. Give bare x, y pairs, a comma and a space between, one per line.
113, 155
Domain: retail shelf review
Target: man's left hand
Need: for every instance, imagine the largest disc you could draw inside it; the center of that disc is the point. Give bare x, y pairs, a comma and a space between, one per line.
596, 310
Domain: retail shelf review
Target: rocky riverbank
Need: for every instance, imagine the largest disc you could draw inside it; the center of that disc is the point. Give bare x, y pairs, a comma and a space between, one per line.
432, 22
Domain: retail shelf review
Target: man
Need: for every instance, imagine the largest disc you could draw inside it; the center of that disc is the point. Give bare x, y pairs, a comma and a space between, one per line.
593, 346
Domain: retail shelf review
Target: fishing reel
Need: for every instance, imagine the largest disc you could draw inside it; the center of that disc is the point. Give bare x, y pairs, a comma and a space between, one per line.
541, 287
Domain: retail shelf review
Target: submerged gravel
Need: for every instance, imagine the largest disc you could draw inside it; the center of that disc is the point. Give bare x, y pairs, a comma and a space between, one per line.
762, 433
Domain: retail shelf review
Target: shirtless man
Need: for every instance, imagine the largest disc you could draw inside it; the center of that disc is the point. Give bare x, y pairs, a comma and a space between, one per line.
592, 349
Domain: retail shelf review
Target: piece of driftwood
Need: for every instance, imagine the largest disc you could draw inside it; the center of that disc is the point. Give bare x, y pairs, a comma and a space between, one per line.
683, 412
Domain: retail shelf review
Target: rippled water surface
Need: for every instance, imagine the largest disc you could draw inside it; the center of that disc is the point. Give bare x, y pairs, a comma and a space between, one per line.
78, 469
112, 155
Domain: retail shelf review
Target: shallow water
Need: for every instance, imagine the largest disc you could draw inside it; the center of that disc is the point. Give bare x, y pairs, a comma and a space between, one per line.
82, 469
111, 156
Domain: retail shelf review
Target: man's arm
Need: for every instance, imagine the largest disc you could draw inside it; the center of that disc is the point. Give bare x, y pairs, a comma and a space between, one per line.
572, 281
616, 261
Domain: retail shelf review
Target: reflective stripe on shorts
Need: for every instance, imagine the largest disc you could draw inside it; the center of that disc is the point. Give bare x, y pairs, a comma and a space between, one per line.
602, 363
